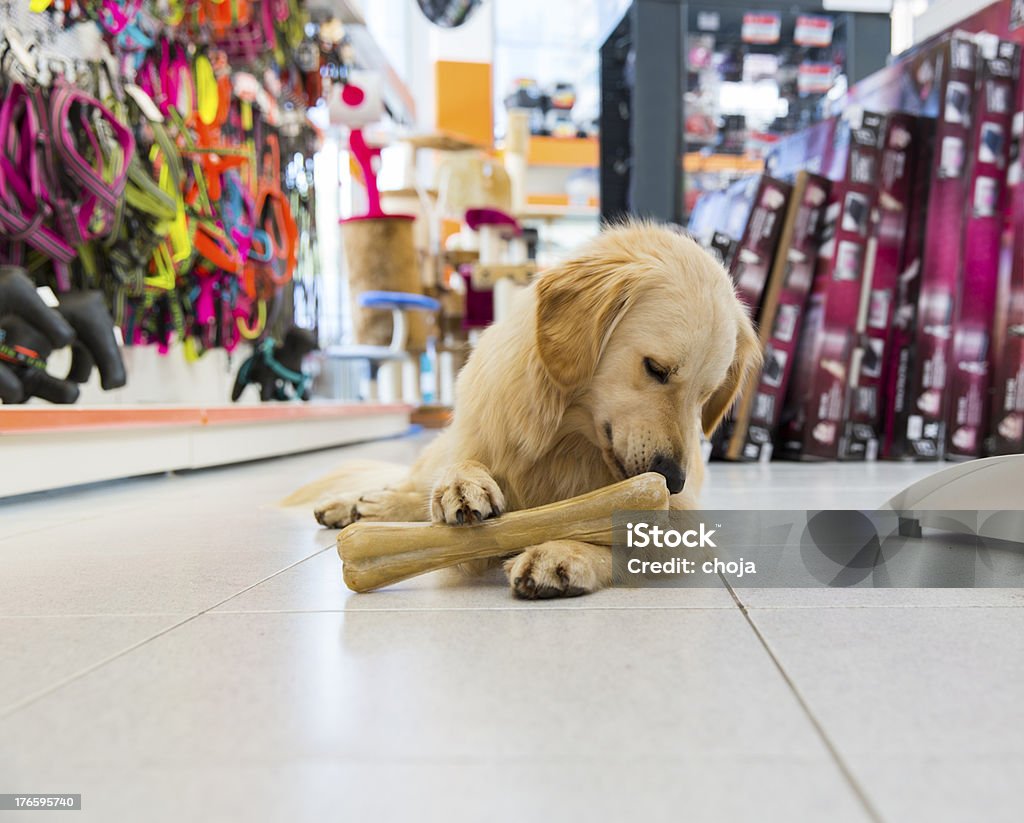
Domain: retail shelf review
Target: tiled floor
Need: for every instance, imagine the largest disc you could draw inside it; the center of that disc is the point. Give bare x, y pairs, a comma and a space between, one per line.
181, 649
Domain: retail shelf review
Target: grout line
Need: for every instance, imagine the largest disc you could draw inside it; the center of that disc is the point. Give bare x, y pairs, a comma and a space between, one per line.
14, 708
527, 606
944, 606
60, 524
844, 768
533, 607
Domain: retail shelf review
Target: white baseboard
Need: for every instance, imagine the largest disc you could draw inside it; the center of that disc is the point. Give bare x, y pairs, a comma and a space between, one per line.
44, 448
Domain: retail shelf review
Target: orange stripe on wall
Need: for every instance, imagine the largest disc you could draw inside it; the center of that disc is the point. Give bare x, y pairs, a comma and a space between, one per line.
23, 420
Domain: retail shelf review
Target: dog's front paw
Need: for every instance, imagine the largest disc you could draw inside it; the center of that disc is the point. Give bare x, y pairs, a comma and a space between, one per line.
339, 512
466, 493
558, 568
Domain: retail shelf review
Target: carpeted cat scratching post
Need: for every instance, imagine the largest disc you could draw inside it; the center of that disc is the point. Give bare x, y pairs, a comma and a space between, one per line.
379, 248
381, 256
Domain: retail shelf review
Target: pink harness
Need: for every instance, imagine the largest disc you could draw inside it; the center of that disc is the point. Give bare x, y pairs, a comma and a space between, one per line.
54, 195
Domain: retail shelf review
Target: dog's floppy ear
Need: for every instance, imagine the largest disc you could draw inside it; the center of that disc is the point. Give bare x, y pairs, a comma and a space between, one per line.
745, 362
579, 304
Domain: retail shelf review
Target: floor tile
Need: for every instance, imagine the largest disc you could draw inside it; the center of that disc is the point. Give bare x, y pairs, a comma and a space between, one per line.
600, 788
915, 692
176, 543
368, 686
880, 598
39, 653
788, 485
188, 558
938, 569
316, 585
945, 789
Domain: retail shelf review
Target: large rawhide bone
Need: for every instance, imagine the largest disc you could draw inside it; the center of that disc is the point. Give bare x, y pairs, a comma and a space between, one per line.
379, 554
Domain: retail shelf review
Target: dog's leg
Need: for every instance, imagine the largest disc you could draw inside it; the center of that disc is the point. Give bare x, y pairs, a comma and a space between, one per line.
401, 504
465, 493
559, 568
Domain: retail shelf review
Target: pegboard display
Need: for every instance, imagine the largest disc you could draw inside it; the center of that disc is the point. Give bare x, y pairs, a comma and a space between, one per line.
159, 152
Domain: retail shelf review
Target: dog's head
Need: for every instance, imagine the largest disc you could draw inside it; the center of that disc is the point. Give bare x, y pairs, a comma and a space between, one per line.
644, 331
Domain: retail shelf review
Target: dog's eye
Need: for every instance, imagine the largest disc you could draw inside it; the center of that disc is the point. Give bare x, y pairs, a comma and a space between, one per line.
659, 373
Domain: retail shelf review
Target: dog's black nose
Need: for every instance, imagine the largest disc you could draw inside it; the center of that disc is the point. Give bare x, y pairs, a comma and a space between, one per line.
668, 468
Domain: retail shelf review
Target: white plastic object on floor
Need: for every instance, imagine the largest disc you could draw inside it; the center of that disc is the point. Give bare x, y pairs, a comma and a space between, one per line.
991, 484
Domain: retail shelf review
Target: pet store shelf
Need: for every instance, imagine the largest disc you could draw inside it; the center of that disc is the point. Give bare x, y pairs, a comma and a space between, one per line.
556, 208
442, 141
696, 163
68, 446
570, 152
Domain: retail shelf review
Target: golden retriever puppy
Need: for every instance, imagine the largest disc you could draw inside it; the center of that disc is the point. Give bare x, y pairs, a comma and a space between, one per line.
608, 366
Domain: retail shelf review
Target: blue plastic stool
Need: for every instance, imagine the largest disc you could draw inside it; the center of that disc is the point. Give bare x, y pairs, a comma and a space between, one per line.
398, 303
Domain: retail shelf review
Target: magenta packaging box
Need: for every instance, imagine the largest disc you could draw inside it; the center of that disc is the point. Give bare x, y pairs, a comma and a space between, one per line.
1006, 418
814, 424
922, 402
900, 349
751, 435
752, 258
752, 261
904, 136
721, 220
970, 363
817, 149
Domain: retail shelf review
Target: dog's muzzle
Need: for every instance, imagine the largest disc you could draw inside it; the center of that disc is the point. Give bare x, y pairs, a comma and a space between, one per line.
675, 477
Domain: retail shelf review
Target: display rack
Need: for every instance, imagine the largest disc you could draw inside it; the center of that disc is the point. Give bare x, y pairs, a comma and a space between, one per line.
643, 85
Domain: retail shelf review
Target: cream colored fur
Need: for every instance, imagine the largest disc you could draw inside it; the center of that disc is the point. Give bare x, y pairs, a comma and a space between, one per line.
557, 399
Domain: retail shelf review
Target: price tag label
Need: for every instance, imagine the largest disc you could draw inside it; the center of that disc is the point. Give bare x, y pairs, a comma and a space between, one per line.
762, 28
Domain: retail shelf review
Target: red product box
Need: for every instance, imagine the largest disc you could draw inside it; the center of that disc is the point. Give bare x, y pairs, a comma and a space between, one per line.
818, 149
887, 256
970, 365
750, 435
813, 425
1006, 426
755, 252
900, 348
750, 260
950, 188
726, 221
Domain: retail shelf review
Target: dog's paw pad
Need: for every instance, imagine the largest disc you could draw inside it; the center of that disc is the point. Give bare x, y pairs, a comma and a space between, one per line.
466, 499
543, 572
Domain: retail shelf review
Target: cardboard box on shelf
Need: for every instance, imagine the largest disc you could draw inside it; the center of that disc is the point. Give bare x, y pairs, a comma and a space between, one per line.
901, 347
924, 401
749, 435
1006, 416
755, 253
814, 412
905, 138
819, 149
740, 226
970, 365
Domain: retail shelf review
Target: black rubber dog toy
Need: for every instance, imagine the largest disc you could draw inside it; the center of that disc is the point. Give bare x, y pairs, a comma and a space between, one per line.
94, 343
277, 369
30, 331
30, 348
18, 296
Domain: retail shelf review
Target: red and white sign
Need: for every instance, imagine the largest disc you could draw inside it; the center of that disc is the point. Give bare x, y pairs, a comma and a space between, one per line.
762, 28
812, 30
814, 78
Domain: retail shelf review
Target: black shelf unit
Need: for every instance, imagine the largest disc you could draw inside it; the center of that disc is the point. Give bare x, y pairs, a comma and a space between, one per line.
643, 84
